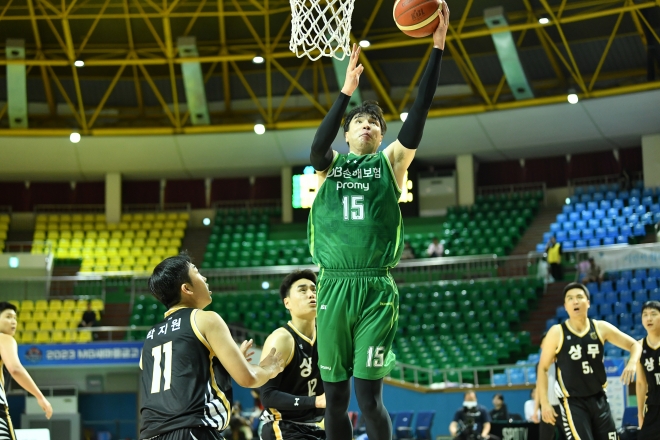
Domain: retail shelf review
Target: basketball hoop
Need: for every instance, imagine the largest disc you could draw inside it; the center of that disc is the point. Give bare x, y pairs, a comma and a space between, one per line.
321, 28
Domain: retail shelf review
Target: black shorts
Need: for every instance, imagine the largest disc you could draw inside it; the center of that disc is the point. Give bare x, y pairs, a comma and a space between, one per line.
651, 426
281, 429
550, 432
198, 433
587, 418
6, 428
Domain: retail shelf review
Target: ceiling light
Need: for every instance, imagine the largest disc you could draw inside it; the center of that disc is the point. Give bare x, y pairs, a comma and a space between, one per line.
259, 128
74, 137
258, 59
544, 20
206, 221
79, 63
403, 116
573, 98
364, 43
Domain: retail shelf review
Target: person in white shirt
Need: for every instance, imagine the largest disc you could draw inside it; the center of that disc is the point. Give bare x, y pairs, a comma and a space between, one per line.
530, 414
546, 430
435, 249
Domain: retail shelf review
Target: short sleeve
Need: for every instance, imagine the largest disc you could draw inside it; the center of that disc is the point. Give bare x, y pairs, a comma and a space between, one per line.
458, 416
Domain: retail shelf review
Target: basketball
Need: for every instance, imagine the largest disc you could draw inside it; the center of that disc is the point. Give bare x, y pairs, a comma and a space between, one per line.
417, 18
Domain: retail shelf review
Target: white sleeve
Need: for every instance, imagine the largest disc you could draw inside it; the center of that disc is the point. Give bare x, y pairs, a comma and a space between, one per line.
529, 410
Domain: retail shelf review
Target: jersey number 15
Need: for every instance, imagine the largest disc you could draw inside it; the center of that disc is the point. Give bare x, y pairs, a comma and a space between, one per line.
157, 352
354, 211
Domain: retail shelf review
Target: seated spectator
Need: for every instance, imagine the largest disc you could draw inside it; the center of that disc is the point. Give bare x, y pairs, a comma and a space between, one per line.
88, 318
529, 408
471, 420
408, 252
583, 269
436, 249
499, 411
239, 425
595, 274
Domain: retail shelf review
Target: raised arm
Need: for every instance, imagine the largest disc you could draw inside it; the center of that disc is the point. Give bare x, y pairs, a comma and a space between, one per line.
215, 331
622, 340
548, 354
9, 355
402, 151
322, 154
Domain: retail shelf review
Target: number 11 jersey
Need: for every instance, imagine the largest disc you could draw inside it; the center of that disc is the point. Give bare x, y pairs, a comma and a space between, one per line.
182, 384
355, 221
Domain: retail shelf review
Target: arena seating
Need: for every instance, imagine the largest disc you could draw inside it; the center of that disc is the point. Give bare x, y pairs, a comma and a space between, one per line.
619, 300
54, 321
4, 226
137, 244
604, 215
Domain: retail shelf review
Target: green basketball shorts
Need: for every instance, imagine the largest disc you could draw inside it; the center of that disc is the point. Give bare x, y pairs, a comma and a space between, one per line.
357, 314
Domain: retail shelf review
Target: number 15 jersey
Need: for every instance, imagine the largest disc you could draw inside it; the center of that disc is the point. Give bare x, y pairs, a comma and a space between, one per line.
355, 221
182, 384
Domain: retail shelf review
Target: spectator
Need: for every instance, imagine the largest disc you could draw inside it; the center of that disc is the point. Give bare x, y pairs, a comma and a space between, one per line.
553, 249
436, 249
595, 274
88, 318
239, 425
408, 252
499, 411
583, 269
529, 408
471, 420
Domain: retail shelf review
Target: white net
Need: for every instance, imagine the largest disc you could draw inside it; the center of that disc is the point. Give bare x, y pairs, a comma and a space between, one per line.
321, 28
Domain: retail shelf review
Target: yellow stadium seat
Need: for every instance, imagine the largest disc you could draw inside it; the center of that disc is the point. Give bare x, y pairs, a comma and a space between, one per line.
39, 235
77, 227
123, 226
141, 234
89, 242
57, 336
19, 326
88, 218
88, 227
172, 216
112, 252
53, 218
142, 261
167, 233
37, 250
77, 218
62, 253
64, 242
104, 235
139, 269
68, 304
129, 234
148, 251
114, 242
185, 216
136, 251
178, 233
55, 304
27, 305
112, 268
84, 336
41, 304
27, 337
159, 225
101, 260
138, 217
81, 305
154, 233
102, 243
40, 227
52, 315
100, 226
134, 225
38, 315
125, 268
155, 260
67, 314
62, 325
124, 252
147, 225
31, 326
175, 242
66, 233
169, 225
42, 217
149, 217
43, 337
76, 242
86, 269
92, 234
3, 234
65, 227
99, 218
46, 325
126, 242
116, 235
52, 235
74, 323
128, 261
99, 252
161, 216
99, 269
16, 303
160, 251
163, 242
171, 252
97, 305
139, 242
78, 235
151, 242
113, 227
25, 316
115, 261
75, 253
126, 217
181, 224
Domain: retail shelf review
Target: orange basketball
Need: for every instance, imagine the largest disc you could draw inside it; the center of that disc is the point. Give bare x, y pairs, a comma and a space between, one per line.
417, 18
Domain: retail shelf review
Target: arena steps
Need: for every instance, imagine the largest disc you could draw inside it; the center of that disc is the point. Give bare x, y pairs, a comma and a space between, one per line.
534, 233
546, 309
195, 242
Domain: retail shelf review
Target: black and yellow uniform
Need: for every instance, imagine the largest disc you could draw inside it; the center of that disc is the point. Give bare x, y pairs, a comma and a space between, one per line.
651, 363
6, 427
184, 388
581, 384
290, 397
355, 233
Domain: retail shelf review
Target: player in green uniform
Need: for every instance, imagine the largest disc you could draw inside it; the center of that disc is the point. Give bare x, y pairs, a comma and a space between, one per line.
355, 236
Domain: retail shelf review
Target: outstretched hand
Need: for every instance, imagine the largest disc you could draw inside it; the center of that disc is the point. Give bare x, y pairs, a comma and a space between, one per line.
440, 33
273, 363
353, 72
245, 349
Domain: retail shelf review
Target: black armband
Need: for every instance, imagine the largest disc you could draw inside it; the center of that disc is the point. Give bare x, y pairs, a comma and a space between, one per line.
411, 132
321, 155
272, 398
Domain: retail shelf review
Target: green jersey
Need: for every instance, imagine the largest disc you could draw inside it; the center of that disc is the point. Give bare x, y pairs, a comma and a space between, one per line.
355, 221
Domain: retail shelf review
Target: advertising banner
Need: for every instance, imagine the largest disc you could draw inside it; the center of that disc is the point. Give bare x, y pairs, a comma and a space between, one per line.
63, 355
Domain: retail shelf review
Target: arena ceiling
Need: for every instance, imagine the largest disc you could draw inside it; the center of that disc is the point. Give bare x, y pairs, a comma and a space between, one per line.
131, 82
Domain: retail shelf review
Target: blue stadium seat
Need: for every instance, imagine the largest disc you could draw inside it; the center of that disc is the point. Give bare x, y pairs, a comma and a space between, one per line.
611, 297
625, 320
587, 234
620, 308
647, 219
597, 299
654, 295
637, 189
561, 218
633, 219
593, 288
573, 216
401, 428
639, 231
597, 196
593, 223
633, 202
599, 214
540, 248
591, 189
623, 195
610, 195
517, 378
594, 242
580, 224
568, 245
625, 296
423, 424
621, 240
647, 192
636, 307
612, 213
625, 231
567, 226
600, 233
550, 322
639, 274
614, 187
602, 188
607, 222
636, 284
499, 379
561, 236
611, 319
622, 284
612, 231
547, 236
641, 295
655, 208
592, 206
567, 209
606, 287
579, 207
627, 211
580, 244
579, 190
608, 241
640, 210
574, 234
651, 283
647, 201
612, 351
554, 227
531, 374
584, 198
654, 272
617, 204
587, 215
561, 313
621, 221
573, 200
605, 309
533, 358
605, 205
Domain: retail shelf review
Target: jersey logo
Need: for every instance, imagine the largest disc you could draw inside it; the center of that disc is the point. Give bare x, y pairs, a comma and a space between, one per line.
593, 350
575, 352
306, 367
324, 307
657, 378
296, 403
568, 337
649, 364
300, 345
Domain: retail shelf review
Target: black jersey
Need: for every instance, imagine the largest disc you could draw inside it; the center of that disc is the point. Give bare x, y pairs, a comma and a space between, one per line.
580, 366
301, 377
651, 362
183, 384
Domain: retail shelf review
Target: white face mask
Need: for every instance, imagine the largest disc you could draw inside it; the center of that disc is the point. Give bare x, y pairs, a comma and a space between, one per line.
470, 404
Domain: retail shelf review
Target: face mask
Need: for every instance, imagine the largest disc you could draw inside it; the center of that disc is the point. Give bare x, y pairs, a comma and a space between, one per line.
470, 404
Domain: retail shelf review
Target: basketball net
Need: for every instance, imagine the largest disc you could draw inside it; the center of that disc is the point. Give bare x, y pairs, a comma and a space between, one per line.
321, 28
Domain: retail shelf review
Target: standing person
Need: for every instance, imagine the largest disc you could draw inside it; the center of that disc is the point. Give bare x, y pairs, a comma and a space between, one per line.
9, 359
648, 374
189, 358
578, 345
355, 236
553, 249
294, 401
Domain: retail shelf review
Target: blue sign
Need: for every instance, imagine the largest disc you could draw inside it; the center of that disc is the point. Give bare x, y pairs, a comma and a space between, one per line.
69, 355
614, 366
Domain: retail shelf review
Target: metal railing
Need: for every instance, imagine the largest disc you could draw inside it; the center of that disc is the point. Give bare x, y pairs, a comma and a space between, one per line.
247, 204
26, 246
52, 209
596, 180
514, 188
156, 207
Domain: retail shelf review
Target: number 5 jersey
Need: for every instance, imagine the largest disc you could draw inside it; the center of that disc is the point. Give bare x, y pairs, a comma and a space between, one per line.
182, 384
